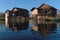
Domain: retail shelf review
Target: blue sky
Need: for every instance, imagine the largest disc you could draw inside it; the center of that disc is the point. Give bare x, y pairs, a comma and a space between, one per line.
27, 4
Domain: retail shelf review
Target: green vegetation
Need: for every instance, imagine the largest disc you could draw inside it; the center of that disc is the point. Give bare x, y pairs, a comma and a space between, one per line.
2, 19
52, 19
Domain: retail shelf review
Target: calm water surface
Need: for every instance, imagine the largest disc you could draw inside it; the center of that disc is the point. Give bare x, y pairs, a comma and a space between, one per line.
32, 30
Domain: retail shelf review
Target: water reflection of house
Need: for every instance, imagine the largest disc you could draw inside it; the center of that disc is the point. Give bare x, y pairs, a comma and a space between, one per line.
18, 27
44, 28
21, 26
45, 11
16, 15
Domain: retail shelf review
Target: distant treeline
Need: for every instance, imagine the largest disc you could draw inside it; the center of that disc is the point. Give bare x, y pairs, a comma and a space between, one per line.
2, 16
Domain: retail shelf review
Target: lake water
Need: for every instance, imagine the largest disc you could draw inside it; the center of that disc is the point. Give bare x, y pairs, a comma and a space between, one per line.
32, 30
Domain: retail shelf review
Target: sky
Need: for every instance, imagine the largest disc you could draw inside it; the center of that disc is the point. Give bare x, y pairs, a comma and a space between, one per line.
26, 4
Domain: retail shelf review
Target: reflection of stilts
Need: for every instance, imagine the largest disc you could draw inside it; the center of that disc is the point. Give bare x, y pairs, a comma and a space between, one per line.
14, 28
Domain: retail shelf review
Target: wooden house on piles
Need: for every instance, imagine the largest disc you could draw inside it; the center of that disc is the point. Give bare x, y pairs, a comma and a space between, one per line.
16, 15
44, 11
